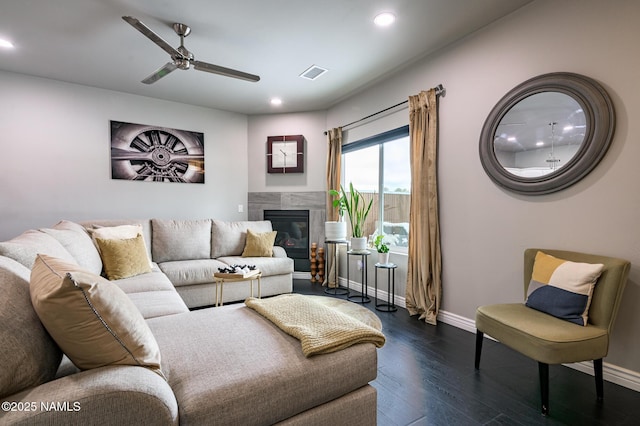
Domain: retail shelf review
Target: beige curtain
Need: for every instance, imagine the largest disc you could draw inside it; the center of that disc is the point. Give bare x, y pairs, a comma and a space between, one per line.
334, 157
424, 286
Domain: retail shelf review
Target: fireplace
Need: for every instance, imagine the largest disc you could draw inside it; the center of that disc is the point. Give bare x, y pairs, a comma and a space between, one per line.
293, 235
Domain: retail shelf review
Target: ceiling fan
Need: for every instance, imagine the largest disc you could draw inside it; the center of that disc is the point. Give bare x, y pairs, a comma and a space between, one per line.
181, 57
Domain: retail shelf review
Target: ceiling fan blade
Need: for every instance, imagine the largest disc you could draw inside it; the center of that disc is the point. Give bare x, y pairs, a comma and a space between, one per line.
147, 32
216, 69
160, 72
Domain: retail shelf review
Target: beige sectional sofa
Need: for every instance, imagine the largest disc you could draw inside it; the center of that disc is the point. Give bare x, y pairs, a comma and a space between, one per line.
224, 365
188, 252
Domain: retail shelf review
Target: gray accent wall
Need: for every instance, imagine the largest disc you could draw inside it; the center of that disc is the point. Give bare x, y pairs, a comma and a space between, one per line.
485, 229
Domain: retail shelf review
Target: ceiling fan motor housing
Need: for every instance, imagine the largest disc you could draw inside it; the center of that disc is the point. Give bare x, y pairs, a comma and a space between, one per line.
184, 61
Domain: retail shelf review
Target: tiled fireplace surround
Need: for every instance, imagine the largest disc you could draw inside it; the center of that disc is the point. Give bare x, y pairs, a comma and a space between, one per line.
258, 202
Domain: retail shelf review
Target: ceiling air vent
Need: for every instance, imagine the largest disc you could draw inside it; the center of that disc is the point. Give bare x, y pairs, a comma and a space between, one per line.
313, 72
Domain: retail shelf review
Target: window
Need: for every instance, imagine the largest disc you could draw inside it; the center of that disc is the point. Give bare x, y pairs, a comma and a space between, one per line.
379, 168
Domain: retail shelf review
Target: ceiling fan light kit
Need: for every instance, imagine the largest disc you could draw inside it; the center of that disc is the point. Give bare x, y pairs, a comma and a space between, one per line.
181, 57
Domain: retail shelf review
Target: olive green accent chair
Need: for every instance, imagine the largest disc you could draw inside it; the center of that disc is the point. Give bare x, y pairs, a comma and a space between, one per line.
550, 340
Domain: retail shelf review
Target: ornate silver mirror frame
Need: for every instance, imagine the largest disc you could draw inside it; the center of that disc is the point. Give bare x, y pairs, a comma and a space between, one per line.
596, 115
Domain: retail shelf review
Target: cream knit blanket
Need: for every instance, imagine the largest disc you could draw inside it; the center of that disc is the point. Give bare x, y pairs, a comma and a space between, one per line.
320, 329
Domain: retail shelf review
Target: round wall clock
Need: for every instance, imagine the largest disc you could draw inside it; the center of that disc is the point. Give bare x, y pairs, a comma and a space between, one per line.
285, 154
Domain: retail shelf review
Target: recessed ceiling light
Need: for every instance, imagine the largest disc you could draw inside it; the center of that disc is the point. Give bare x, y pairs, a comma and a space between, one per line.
6, 43
539, 143
384, 19
276, 101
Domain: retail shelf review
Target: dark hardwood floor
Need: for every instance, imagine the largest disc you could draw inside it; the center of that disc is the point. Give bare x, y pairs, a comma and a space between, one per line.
426, 377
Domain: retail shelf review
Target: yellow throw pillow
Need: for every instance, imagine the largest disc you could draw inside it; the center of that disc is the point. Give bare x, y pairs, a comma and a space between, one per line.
123, 258
91, 319
120, 232
259, 244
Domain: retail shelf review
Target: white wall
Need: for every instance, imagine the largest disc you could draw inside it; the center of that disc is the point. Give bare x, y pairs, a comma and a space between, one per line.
55, 144
484, 228
309, 124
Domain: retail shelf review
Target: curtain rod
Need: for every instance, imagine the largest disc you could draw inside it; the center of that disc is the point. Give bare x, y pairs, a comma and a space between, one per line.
439, 91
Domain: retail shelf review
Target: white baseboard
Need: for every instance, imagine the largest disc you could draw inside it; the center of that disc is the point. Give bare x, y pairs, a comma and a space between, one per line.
297, 275
611, 373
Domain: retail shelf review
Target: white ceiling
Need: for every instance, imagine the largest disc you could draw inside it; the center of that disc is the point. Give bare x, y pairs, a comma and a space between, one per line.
87, 42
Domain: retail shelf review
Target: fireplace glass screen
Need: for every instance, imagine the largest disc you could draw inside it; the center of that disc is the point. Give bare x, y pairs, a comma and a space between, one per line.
293, 234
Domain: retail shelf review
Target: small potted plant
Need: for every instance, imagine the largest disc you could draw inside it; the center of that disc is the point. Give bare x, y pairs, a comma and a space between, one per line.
382, 249
354, 204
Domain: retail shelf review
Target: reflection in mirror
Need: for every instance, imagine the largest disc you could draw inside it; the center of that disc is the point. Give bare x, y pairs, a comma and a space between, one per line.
540, 134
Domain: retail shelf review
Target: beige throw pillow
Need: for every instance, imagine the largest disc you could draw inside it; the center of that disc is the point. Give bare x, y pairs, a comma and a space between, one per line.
91, 319
123, 258
259, 244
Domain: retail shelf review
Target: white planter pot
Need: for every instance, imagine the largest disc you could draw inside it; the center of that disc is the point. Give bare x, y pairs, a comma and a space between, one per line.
358, 244
335, 231
383, 258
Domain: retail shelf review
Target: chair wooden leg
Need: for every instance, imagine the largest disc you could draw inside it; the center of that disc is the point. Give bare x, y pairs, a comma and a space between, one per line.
479, 339
543, 372
597, 369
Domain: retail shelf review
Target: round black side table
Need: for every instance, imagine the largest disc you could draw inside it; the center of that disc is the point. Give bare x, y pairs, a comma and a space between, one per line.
390, 306
337, 290
364, 254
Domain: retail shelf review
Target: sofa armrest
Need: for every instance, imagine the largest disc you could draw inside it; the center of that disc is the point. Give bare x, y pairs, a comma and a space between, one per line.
279, 251
114, 395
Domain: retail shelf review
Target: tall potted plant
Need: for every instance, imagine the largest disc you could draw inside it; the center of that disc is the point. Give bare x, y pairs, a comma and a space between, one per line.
357, 209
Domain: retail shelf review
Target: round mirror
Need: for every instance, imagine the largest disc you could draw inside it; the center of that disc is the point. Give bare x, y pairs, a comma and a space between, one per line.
547, 133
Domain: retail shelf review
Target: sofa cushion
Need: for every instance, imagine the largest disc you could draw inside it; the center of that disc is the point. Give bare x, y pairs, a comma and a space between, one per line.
562, 288
251, 372
90, 318
124, 258
259, 244
75, 238
26, 246
153, 294
267, 265
29, 356
229, 238
187, 272
181, 239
